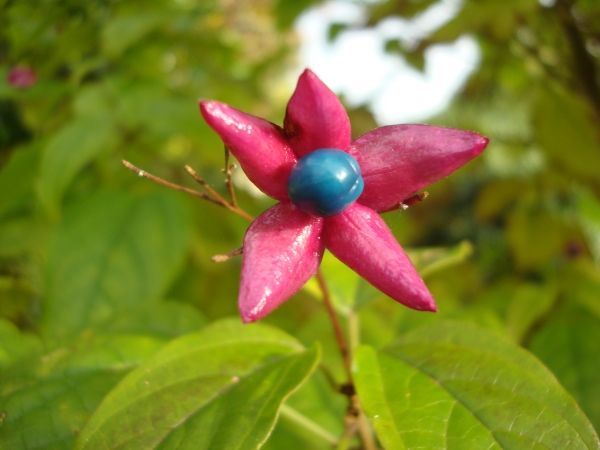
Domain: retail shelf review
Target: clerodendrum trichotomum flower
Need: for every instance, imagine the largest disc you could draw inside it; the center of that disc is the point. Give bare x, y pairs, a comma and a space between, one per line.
330, 191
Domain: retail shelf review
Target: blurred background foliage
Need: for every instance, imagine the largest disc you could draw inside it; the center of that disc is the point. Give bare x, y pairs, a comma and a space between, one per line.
96, 263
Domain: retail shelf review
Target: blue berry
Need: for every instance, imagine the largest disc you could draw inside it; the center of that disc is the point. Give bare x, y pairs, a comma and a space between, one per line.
325, 182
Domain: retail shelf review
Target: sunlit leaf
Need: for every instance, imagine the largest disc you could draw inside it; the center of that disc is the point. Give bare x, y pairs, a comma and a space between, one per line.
46, 400
219, 388
455, 385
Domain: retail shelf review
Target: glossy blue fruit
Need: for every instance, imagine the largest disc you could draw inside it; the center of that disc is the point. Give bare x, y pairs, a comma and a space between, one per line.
325, 182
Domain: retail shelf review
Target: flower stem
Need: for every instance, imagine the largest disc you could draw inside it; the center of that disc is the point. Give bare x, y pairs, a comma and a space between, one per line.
355, 419
337, 328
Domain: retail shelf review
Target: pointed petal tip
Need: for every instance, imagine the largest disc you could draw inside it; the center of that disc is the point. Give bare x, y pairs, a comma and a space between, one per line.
480, 144
431, 307
246, 319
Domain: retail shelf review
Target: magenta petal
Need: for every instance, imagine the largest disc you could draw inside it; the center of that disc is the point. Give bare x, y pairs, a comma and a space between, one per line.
397, 161
259, 146
315, 118
282, 251
360, 239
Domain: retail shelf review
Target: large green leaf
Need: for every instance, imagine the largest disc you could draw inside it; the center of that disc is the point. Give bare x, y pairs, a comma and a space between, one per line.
456, 386
69, 151
570, 347
220, 388
46, 400
112, 253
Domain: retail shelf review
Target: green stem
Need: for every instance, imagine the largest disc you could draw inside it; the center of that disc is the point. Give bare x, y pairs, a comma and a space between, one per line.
316, 429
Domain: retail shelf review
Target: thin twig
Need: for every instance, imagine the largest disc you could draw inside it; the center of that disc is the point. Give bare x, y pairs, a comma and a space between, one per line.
143, 173
227, 256
217, 196
229, 171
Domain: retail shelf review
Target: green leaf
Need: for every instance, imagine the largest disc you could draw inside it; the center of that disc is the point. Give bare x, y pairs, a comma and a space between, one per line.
46, 400
126, 30
69, 151
414, 57
570, 347
14, 344
161, 318
17, 177
111, 253
588, 207
431, 260
565, 127
220, 388
457, 386
534, 235
529, 303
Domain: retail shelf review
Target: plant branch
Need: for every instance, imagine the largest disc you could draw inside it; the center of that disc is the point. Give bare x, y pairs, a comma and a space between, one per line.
143, 173
217, 196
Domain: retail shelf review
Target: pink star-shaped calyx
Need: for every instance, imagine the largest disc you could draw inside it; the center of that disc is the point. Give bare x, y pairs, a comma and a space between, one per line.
284, 246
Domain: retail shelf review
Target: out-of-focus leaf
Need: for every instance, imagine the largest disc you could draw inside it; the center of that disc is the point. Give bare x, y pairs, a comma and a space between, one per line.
431, 260
229, 378
14, 344
46, 400
581, 282
161, 318
17, 177
498, 19
21, 235
566, 128
415, 58
286, 11
112, 252
334, 31
126, 30
588, 207
570, 347
455, 385
403, 8
69, 151
529, 303
533, 234
495, 197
